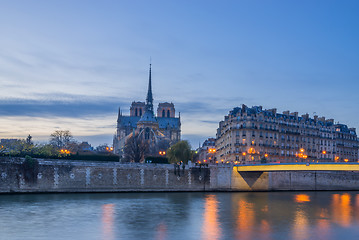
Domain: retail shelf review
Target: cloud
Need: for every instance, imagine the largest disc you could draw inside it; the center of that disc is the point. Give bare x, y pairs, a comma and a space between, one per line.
72, 106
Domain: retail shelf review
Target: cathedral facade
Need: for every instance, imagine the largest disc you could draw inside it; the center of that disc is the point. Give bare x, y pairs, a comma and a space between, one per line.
164, 127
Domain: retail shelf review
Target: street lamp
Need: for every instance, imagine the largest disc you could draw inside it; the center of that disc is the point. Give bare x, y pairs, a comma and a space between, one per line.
211, 150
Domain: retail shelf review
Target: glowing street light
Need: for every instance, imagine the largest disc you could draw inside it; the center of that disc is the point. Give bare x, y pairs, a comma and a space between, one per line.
65, 151
251, 151
212, 150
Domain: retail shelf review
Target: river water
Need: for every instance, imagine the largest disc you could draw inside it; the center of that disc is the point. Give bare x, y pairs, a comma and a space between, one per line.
242, 215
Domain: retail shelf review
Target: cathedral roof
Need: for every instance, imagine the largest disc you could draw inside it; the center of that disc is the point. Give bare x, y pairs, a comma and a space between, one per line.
148, 117
169, 122
128, 121
131, 121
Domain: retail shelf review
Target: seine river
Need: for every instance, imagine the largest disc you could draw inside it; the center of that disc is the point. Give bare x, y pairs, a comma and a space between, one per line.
261, 215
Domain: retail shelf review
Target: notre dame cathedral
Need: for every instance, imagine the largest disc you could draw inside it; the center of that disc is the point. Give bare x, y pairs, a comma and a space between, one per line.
165, 127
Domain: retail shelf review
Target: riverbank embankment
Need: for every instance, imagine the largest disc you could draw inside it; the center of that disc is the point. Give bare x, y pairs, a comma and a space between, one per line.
78, 176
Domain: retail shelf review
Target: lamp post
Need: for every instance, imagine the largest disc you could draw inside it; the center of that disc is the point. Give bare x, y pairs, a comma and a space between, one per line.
211, 152
302, 154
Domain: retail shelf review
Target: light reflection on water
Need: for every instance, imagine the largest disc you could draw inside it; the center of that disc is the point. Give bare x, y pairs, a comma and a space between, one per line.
108, 221
210, 226
160, 216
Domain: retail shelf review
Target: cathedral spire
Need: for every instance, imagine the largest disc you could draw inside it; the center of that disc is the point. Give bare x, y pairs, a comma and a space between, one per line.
149, 99
119, 114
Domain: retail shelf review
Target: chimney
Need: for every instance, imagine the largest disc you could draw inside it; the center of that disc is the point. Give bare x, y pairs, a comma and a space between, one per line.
305, 116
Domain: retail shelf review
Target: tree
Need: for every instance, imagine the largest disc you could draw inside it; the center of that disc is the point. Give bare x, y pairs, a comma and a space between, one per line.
135, 149
15, 147
46, 150
29, 140
180, 151
61, 138
160, 145
30, 168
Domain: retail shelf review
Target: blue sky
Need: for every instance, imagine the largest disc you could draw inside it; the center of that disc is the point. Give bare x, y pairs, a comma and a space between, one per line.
71, 64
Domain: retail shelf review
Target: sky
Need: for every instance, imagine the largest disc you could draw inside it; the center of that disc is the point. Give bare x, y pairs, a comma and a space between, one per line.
69, 65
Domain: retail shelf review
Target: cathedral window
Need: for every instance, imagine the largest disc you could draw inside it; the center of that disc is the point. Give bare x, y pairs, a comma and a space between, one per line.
163, 113
168, 113
136, 112
147, 133
140, 112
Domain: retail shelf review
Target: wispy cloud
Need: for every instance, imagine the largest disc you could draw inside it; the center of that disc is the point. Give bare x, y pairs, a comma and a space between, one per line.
57, 108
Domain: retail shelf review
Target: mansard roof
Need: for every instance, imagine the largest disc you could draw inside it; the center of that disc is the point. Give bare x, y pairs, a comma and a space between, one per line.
285, 116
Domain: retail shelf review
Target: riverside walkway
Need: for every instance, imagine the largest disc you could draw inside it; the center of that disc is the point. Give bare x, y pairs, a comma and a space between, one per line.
275, 167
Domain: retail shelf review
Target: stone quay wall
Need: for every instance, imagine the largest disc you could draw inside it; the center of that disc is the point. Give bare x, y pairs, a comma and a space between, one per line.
71, 176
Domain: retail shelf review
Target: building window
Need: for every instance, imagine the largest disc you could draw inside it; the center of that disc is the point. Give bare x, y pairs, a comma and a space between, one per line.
136, 112
163, 113
168, 113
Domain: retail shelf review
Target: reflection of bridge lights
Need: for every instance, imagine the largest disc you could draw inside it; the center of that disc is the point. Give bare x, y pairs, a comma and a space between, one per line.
346, 160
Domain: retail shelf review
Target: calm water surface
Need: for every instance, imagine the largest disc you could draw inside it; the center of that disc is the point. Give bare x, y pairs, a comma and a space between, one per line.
263, 215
